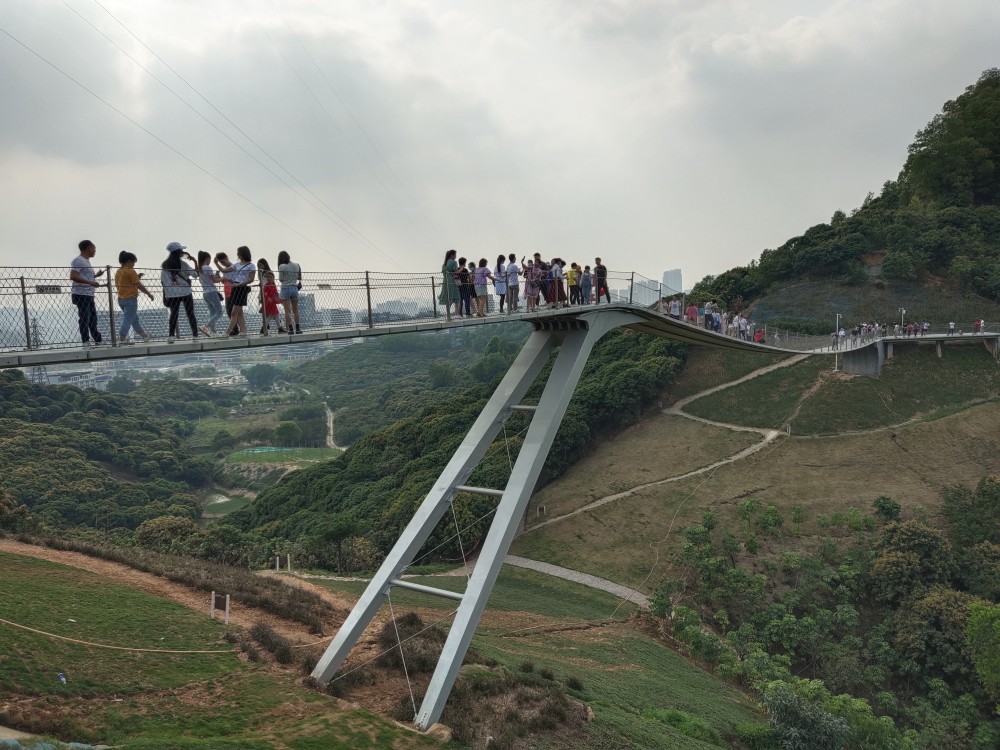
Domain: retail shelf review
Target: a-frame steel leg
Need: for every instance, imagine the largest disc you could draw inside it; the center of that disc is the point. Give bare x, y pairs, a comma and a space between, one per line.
511, 390
574, 349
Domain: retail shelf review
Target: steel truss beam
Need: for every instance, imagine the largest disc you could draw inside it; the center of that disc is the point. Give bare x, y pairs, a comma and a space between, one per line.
575, 344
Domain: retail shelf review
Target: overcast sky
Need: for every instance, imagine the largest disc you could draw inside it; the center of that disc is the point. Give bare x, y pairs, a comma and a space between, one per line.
375, 135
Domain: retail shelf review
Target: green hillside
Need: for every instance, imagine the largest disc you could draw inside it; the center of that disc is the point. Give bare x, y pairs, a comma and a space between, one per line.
929, 242
76, 457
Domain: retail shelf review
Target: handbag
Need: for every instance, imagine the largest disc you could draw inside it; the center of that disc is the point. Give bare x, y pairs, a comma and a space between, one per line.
220, 296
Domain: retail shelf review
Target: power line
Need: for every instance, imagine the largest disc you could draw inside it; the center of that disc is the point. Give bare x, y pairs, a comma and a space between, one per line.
336, 218
325, 111
157, 138
360, 127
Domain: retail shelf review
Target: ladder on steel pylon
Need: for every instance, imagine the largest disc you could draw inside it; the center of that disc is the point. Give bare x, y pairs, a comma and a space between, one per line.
575, 336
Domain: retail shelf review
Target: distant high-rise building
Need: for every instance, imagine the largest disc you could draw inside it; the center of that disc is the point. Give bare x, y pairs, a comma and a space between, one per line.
672, 283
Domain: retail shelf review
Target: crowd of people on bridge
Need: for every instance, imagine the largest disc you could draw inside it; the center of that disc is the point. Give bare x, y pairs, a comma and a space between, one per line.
465, 293
465, 287
182, 275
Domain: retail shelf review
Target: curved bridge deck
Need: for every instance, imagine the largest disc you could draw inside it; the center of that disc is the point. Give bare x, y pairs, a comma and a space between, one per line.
647, 321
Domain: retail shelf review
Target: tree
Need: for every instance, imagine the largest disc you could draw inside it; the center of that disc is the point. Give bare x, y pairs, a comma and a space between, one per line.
334, 534
160, 533
931, 633
911, 558
747, 510
287, 433
887, 508
443, 374
771, 521
14, 516
983, 634
121, 384
260, 377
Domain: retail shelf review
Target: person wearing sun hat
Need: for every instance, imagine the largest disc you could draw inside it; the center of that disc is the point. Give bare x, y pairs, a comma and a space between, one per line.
176, 279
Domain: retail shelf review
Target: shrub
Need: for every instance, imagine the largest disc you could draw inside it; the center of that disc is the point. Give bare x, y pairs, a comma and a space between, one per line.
272, 641
526, 666
546, 674
686, 724
418, 645
574, 683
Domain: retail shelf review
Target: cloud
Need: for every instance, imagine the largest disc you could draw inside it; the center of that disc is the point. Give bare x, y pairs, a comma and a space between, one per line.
655, 133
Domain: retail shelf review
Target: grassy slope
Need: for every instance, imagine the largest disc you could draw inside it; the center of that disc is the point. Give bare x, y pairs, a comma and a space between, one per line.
821, 301
706, 368
537, 618
659, 446
766, 401
166, 701
624, 539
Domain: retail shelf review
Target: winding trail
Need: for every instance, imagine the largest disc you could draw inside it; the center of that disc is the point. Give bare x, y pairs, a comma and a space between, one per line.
330, 442
768, 436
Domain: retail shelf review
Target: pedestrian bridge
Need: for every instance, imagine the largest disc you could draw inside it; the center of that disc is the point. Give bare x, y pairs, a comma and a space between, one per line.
38, 323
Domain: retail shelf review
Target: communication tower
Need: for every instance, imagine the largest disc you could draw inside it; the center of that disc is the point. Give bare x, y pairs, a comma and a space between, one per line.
38, 374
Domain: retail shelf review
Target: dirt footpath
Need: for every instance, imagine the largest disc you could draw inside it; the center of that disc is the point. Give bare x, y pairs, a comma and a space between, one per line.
239, 615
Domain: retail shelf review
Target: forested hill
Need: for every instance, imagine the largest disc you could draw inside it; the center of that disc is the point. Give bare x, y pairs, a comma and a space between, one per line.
374, 488
82, 457
394, 377
938, 221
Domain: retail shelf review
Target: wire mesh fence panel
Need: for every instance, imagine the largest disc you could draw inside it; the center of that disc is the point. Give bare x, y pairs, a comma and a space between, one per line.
38, 307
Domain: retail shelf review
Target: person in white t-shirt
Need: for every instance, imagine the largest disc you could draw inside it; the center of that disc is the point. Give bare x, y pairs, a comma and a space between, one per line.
241, 275
84, 279
513, 283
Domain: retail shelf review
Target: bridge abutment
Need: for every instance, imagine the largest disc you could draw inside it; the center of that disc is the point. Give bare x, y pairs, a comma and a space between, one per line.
866, 360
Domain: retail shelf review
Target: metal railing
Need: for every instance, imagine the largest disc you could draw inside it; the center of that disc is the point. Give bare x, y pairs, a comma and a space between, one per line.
36, 311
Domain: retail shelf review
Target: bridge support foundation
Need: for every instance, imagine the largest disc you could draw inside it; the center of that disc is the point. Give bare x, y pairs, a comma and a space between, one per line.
865, 360
575, 339
993, 346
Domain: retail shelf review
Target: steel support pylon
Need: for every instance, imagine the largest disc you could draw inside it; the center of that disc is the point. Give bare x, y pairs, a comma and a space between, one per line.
575, 338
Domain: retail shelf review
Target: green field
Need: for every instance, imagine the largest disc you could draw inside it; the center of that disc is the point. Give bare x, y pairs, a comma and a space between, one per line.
302, 456
214, 506
146, 700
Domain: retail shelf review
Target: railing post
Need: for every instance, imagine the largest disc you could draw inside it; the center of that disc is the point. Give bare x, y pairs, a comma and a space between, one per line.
447, 295
434, 297
368, 290
631, 286
27, 322
111, 307
659, 299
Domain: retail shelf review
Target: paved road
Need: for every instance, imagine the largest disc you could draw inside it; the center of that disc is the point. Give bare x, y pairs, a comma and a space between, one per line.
593, 582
